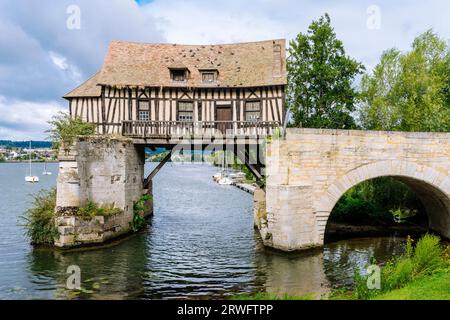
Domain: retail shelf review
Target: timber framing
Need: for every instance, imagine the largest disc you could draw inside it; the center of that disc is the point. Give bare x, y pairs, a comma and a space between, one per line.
247, 72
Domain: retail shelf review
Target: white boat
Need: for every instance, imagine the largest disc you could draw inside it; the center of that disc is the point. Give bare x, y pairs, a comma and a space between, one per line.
45, 172
30, 178
225, 181
217, 176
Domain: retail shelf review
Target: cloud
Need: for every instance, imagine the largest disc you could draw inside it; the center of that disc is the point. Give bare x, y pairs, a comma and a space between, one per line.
41, 59
20, 120
61, 62
204, 21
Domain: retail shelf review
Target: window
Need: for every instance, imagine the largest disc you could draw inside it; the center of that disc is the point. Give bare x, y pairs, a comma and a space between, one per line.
185, 111
178, 75
208, 77
144, 116
144, 110
253, 111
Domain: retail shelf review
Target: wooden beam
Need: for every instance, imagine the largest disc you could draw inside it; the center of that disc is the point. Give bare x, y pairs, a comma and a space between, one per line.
156, 170
253, 169
103, 109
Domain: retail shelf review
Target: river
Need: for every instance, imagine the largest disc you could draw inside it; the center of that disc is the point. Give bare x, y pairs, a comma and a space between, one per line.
200, 244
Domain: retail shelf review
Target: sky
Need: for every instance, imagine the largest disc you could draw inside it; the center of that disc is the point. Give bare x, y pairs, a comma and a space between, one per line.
49, 47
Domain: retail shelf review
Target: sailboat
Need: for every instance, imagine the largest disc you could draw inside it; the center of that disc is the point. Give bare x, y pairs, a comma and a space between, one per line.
45, 172
216, 177
30, 178
224, 179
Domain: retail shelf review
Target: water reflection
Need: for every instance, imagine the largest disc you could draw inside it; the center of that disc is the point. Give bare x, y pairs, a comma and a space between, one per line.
294, 273
114, 272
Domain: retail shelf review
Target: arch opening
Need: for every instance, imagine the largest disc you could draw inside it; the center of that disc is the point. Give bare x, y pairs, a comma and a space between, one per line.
431, 190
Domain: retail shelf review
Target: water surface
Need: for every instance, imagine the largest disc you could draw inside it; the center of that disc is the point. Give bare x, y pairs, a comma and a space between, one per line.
200, 244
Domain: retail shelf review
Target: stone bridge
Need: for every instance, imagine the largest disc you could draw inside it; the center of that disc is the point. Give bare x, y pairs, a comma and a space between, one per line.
309, 171
306, 174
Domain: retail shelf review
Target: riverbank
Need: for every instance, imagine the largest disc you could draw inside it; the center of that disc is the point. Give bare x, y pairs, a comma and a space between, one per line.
340, 231
434, 287
246, 187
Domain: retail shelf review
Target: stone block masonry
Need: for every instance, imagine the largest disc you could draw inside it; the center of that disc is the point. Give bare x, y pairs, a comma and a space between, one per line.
309, 171
107, 171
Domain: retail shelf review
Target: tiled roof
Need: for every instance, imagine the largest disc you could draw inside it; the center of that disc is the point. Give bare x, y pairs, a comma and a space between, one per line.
89, 88
249, 64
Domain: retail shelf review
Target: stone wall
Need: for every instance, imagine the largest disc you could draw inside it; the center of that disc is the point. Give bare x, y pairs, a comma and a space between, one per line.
106, 171
311, 169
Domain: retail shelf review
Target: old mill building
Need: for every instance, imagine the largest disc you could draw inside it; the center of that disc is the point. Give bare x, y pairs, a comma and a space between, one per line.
147, 89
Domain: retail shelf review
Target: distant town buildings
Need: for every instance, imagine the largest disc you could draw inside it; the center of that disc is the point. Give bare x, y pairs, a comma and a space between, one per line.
8, 154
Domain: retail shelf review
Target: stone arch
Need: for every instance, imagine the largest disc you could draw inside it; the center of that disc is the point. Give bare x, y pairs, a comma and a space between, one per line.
432, 187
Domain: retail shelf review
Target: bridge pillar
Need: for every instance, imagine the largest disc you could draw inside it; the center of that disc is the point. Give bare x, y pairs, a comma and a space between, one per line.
102, 170
289, 223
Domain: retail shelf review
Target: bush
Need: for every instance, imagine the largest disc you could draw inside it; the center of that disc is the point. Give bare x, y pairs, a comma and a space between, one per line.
426, 258
139, 210
64, 129
40, 218
396, 275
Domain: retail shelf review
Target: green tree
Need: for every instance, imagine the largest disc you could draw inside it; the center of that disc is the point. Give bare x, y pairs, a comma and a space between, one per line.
409, 91
64, 129
320, 89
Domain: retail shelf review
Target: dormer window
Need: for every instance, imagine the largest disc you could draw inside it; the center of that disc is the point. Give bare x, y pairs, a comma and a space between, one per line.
178, 75
209, 77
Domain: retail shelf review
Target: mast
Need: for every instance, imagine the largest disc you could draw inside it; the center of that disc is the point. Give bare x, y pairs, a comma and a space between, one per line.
29, 151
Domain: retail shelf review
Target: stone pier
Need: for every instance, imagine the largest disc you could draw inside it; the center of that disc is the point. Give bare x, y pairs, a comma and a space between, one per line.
107, 171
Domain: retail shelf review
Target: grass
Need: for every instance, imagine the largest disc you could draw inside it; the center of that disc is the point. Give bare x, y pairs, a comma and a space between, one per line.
433, 287
422, 272
271, 296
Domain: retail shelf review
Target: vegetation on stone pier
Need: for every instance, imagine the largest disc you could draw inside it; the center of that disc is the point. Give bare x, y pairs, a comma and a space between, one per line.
140, 208
91, 210
422, 272
64, 129
40, 218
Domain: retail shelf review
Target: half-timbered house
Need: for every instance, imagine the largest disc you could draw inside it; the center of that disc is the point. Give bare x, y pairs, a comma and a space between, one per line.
157, 88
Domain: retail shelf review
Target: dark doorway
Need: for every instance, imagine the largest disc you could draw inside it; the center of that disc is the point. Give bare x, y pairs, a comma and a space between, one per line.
224, 118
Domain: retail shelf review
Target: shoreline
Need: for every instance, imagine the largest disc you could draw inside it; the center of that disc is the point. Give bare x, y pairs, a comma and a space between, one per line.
27, 161
344, 231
